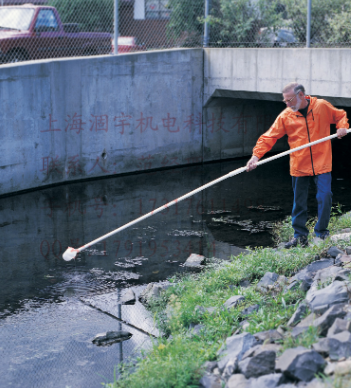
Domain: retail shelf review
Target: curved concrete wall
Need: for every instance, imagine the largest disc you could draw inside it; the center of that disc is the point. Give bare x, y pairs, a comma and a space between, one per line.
64, 120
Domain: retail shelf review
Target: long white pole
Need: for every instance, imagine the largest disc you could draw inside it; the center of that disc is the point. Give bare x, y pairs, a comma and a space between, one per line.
70, 253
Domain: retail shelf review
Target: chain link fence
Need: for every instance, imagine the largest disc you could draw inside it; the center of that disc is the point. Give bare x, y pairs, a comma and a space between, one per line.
65, 28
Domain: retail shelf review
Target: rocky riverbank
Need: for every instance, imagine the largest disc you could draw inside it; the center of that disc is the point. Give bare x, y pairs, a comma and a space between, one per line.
267, 318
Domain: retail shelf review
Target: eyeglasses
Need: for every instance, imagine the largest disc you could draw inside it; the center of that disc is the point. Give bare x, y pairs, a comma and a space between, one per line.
290, 99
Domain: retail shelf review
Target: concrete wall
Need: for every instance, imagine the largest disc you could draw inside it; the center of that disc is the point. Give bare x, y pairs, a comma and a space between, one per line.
65, 120
264, 72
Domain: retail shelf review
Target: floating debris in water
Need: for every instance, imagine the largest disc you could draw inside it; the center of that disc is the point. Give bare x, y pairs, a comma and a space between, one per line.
226, 220
130, 263
218, 211
95, 252
186, 233
265, 208
111, 337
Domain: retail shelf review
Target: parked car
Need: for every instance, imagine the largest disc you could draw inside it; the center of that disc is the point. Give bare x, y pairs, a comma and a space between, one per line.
282, 37
128, 44
36, 32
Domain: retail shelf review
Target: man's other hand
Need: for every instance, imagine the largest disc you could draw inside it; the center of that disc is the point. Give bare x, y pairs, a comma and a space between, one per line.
252, 163
341, 132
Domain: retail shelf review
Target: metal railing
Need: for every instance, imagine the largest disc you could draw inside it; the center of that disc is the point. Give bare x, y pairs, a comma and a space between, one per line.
65, 28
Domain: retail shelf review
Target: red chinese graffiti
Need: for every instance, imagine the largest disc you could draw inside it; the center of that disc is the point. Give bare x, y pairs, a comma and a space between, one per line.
169, 123
51, 126
144, 123
51, 165
74, 123
99, 123
122, 122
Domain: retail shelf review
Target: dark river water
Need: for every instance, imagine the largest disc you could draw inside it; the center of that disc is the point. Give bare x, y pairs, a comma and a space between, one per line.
50, 309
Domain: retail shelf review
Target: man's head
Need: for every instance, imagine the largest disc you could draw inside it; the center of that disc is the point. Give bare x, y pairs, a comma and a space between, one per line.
294, 96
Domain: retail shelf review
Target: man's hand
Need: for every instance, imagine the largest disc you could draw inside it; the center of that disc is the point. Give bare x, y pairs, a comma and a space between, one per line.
341, 132
252, 163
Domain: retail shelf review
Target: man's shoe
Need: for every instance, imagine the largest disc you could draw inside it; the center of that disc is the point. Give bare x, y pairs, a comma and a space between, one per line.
302, 240
324, 236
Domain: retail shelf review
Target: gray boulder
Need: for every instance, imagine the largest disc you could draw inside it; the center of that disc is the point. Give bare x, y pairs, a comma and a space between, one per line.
211, 381
254, 351
306, 275
325, 321
128, 297
153, 291
111, 337
268, 336
233, 301
321, 300
268, 381
300, 364
332, 273
342, 259
238, 381
334, 251
338, 326
303, 325
235, 347
348, 250
230, 368
341, 236
336, 346
249, 310
267, 282
299, 313
195, 261
261, 364
209, 366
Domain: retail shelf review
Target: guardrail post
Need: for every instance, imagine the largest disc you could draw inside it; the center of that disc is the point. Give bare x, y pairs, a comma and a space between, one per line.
308, 32
115, 38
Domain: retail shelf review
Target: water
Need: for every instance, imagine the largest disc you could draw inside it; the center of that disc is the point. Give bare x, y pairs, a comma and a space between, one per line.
50, 309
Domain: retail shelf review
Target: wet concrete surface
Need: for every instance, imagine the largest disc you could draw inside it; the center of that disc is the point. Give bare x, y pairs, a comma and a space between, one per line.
50, 309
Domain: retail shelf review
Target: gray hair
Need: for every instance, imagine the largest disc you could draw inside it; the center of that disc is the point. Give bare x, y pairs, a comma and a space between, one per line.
295, 86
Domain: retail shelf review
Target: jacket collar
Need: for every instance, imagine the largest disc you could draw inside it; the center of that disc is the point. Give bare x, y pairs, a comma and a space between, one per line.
293, 114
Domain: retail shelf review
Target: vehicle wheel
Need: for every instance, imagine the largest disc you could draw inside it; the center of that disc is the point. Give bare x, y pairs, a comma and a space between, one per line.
16, 56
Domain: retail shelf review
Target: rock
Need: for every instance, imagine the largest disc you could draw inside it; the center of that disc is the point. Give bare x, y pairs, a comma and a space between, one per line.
334, 251
268, 279
197, 329
338, 326
230, 368
300, 363
128, 297
306, 275
342, 236
111, 337
335, 293
235, 346
244, 283
324, 322
342, 259
330, 274
233, 301
238, 381
348, 250
261, 364
268, 381
211, 381
294, 285
268, 336
299, 313
337, 346
153, 291
244, 325
195, 261
261, 348
249, 310
338, 368
315, 383
209, 366
303, 325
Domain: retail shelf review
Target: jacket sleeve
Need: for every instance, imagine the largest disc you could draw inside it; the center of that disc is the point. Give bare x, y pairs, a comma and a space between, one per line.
337, 116
269, 138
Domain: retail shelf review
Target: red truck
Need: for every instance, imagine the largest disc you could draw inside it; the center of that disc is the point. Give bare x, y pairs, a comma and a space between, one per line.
36, 32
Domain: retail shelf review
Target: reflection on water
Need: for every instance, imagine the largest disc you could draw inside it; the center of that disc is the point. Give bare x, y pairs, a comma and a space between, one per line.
47, 328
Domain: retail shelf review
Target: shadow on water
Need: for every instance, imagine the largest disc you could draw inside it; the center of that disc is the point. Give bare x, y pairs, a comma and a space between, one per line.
47, 330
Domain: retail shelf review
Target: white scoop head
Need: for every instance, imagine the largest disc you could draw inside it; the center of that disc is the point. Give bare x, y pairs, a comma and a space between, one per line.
70, 254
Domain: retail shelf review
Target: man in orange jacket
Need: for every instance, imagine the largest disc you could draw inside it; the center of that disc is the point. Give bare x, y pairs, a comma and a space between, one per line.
305, 119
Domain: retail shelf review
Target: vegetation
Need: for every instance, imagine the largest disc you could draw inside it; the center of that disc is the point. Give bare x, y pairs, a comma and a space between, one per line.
91, 15
176, 359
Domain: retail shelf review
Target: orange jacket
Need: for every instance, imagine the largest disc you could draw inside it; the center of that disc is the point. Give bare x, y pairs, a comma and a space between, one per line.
313, 160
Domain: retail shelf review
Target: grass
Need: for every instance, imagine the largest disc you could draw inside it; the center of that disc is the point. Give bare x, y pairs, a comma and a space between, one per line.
176, 361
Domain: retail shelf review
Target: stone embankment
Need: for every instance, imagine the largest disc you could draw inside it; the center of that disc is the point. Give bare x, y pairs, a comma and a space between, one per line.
259, 360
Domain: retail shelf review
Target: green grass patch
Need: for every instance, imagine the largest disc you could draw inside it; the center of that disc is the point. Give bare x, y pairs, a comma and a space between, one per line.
176, 361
